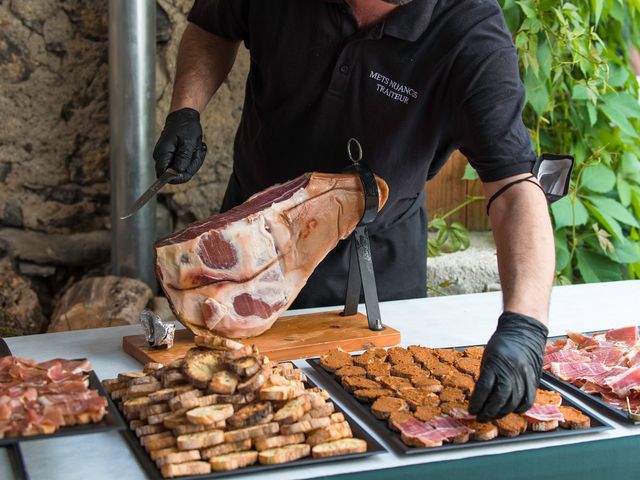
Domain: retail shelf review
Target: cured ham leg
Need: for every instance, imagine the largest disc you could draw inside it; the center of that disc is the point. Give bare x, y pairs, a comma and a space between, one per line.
233, 274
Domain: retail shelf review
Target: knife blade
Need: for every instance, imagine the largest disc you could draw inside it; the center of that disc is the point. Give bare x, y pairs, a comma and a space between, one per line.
168, 175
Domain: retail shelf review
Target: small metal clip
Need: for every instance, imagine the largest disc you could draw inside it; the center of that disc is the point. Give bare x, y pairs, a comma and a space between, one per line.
158, 333
355, 160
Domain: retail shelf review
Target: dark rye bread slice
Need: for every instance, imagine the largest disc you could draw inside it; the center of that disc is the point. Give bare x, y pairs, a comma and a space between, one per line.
426, 382
370, 394
350, 371
383, 407
334, 359
511, 425
378, 369
574, 419
398, 418
356, 383
451, 394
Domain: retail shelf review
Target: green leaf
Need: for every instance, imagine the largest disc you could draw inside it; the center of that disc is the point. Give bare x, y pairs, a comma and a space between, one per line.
562, 250
597, 9
626, 252
470, 173
618, 76
527, 9
545, 59
624, 191
619, 113
598, 178
596, 268
593, 114
610, 224
537, 94
613, 208
563, 212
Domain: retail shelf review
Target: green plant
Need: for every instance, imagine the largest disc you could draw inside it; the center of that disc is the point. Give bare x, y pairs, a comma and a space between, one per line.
449, 237
582, 99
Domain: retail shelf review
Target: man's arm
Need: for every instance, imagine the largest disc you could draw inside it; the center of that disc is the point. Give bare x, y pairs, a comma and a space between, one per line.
204, 61
525, 246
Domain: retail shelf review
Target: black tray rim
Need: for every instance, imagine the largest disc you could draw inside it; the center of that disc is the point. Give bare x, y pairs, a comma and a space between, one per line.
395, 443
110, 422
153, 472
593, 400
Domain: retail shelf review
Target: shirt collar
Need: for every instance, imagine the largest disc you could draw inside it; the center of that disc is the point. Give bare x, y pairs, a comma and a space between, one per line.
407, 22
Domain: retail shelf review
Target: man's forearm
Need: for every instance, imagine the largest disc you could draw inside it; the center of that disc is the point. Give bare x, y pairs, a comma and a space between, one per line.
204, 61
526, 255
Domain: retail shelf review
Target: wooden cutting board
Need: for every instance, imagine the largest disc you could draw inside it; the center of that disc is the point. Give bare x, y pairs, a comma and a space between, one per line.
291, 337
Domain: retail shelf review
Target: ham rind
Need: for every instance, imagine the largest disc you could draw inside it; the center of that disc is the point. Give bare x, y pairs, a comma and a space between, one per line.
544, 413
626, 335
424, 433
625, 383
449, 427
233, 274
577, 371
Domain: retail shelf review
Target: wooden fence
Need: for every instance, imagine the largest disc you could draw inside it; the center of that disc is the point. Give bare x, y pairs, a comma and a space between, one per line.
447, 190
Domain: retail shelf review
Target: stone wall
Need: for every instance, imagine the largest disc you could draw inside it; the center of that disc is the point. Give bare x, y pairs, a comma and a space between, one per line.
54, 143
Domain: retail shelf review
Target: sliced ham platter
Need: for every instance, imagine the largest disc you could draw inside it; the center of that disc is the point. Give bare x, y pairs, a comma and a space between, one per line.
600, 367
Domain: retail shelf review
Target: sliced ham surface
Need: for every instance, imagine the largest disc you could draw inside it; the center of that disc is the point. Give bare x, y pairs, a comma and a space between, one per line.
544, 413
625, 383
577, 371
626, 335
449, 427
425, 433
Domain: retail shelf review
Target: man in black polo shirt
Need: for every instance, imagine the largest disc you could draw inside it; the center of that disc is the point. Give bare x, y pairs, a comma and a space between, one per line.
412, 81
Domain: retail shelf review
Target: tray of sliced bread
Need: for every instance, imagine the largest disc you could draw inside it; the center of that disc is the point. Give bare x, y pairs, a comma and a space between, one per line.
416, 399
225, 409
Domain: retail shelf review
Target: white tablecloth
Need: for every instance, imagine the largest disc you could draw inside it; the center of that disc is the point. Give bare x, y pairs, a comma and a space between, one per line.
436, 322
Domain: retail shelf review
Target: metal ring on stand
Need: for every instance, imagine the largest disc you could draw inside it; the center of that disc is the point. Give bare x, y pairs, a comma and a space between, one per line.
350, 142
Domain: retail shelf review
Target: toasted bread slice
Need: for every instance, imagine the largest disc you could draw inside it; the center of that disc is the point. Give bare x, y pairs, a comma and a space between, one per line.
466, 383
153, 409
323, 411
245, 366
210, 414
281, 392
236, 398
254, 431
394, 383
127, 376
468, 365
150, 368
305, 425
542, 426
378, 369
233, 461
293, 410
215, 342
224, 448
178, 457
161, 452
350, 371
250, 415
245, 351
511, 425
473, 352
142, 380
196, 467
451, 394
198, 440
483, 431
335, 359
548, 397
370, 394
131, 408
161, 441
574, 419
424, 413
133, 424
406, 370
335, 431
118, 394
174, 420
447, 355
339, 447
398, 355
262, 443
289, 453
351, 384
223, 382
254, 382
337, 417
427, 383
187, 427
383, 407
173, 378
200, 368
176, 403
143, 430
167, 394
112, 384
398, 418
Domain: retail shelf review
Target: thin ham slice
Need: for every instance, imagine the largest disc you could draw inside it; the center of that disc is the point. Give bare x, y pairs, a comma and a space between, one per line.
449, 427
577, 371
560, 356
421, 431
626, 335
462, 414
625, 383
544, 413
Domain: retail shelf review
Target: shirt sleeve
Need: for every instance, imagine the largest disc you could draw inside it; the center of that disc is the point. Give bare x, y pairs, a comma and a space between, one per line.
226, 18
488, 128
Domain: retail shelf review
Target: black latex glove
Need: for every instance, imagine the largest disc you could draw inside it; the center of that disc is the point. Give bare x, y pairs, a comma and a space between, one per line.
511, 367
180, 145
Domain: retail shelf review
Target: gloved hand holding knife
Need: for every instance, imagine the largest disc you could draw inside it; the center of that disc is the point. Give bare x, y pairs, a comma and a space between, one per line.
180, 145
511, 367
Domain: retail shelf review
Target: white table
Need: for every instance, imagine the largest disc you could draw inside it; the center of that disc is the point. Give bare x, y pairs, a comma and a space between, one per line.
436, 322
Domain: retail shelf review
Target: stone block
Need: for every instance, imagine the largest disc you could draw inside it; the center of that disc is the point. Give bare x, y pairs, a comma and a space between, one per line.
20, 312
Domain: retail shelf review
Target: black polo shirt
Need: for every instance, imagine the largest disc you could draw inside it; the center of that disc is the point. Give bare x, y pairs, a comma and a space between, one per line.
434, 76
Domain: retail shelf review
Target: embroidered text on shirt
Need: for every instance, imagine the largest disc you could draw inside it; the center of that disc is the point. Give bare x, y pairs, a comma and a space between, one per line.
393, 89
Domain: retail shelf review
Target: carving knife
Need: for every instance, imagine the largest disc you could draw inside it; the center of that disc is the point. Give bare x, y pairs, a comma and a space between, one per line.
168, 175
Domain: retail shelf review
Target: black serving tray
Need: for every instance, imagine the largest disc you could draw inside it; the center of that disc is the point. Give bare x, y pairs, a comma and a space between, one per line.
111, 421
398, 446
17, 461
592, 399
153, 472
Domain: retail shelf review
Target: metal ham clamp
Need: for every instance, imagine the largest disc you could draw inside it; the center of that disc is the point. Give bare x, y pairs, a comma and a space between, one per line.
360, 262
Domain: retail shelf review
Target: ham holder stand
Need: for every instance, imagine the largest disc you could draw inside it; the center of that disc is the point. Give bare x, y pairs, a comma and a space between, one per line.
311, 334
